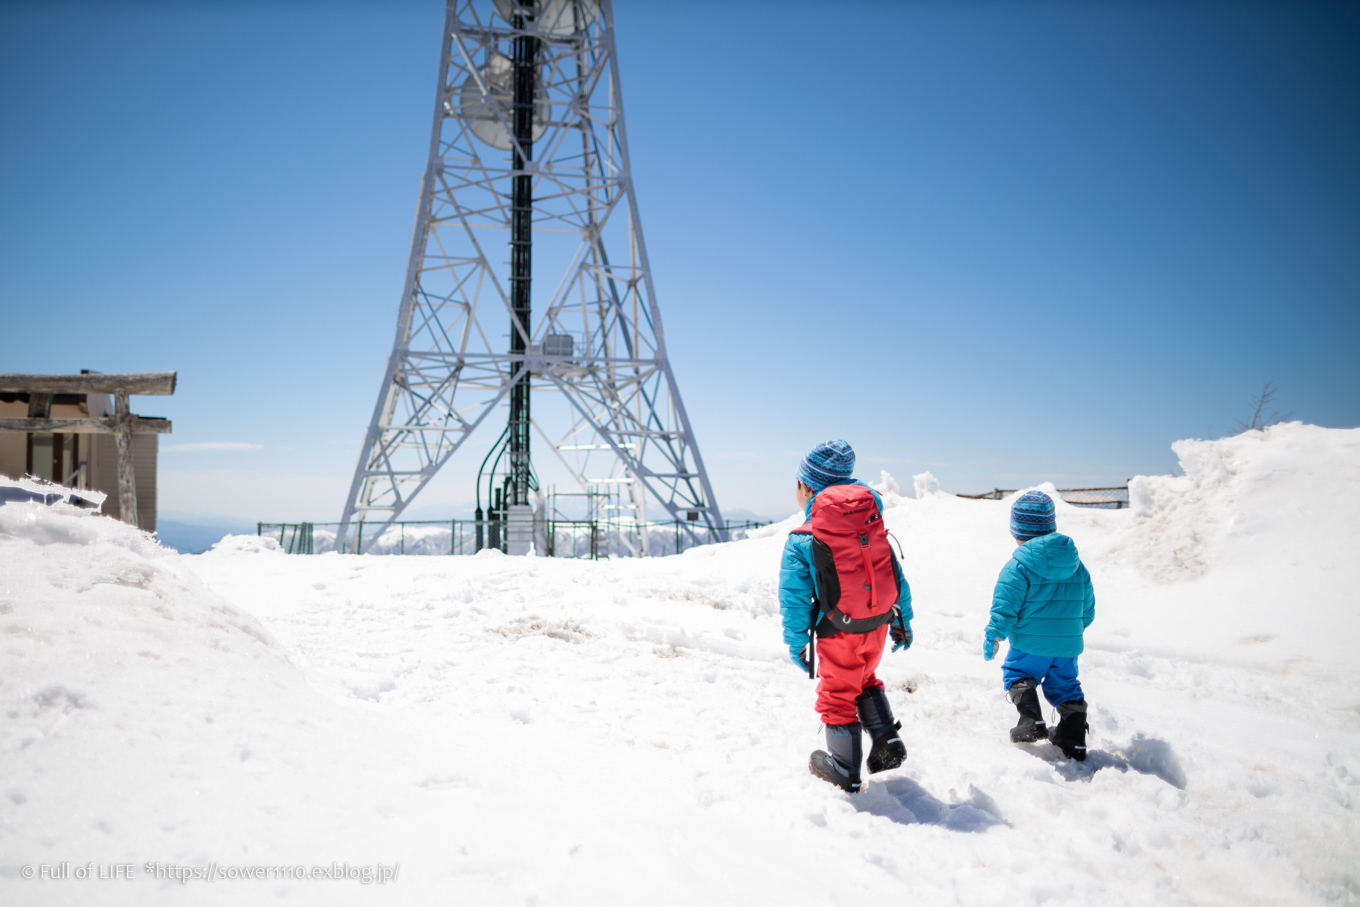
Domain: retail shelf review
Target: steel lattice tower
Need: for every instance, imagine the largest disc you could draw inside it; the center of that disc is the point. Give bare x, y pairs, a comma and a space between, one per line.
529, 146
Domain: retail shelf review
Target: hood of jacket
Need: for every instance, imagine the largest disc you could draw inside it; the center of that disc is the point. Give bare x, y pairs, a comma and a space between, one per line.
1052, 557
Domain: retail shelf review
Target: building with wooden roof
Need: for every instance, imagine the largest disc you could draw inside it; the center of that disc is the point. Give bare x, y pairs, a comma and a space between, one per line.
78, 431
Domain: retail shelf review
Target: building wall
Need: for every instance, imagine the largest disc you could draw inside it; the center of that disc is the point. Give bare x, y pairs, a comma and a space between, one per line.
99, 452
144, 449
13, 444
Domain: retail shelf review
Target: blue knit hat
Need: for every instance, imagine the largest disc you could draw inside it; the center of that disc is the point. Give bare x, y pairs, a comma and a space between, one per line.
1032, 516
829, 463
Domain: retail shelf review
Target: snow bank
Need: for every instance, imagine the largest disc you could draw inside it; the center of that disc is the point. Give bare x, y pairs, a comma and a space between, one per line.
1264, 497
148, 719
566, 732
1251, 553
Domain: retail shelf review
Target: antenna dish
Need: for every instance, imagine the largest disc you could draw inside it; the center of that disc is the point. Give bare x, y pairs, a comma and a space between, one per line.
552, 18
490, 121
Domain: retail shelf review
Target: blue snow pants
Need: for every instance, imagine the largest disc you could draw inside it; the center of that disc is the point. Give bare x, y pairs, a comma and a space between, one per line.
1058, 675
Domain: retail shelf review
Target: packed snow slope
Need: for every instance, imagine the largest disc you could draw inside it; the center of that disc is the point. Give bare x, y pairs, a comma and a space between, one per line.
541, 731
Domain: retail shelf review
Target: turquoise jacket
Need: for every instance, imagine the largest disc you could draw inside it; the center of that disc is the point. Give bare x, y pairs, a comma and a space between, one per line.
1044, 600
798, 584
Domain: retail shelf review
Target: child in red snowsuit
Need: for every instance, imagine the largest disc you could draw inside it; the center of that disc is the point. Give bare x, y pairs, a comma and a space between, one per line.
850, 698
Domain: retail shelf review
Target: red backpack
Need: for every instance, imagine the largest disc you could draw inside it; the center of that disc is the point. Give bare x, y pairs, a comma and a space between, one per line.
856, 584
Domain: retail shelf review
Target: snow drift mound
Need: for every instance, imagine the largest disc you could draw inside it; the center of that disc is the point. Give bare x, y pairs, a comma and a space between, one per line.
91, 603
1250, 555
1283, 496
144, 716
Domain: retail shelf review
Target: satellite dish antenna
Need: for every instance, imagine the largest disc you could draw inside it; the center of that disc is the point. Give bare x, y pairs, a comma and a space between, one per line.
490, 121
552, 18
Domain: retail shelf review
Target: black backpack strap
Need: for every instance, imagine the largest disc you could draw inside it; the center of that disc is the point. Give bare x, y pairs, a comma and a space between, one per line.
833, 622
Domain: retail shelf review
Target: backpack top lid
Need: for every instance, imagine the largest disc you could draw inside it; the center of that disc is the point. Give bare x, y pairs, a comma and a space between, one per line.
841, 509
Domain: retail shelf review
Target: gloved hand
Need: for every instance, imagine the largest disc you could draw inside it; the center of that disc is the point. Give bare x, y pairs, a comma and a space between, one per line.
799, 658
901, 635
990, 646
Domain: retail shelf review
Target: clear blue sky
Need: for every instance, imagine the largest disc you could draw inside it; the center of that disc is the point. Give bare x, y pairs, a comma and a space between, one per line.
1004, 242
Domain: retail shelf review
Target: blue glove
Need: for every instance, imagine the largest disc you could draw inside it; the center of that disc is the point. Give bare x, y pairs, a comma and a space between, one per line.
796, 656
989, 647
901, 635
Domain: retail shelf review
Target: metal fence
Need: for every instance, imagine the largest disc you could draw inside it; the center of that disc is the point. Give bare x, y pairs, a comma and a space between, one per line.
1113, 498
590, 539
294, 538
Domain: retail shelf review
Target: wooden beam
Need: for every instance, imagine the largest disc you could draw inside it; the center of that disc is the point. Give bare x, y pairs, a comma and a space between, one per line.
139, 424
122, 438
159, 383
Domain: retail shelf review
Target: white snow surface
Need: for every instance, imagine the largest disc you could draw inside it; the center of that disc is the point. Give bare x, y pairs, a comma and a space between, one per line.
549, 731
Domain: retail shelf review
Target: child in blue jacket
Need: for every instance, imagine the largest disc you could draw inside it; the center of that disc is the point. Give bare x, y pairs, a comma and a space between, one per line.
1043, 603
850, 697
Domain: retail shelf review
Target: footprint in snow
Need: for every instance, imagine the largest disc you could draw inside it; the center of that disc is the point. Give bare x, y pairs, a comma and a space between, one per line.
904, 801
1145, 755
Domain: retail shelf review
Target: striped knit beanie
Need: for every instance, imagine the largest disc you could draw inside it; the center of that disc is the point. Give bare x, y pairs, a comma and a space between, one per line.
1032, 516
829, 463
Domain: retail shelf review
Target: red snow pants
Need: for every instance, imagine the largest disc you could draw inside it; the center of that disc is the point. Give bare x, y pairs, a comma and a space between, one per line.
846, 663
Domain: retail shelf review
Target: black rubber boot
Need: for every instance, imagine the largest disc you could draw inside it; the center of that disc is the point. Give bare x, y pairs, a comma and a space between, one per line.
1025, 698
1070, 734
840, 766
887, 750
